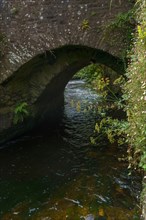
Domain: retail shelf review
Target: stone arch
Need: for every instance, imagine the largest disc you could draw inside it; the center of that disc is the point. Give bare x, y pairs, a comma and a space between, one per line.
41, 81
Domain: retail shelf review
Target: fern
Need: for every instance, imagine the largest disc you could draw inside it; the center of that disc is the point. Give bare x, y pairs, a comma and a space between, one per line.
20, 112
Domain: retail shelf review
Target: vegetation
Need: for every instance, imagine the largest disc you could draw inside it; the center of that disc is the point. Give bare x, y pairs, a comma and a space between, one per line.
135, 92
20, 112
121, 27
135, 95
131, 129
122, 19
85, 24
107, 83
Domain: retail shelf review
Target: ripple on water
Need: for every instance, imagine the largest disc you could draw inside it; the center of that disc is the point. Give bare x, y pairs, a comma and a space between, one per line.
60, 176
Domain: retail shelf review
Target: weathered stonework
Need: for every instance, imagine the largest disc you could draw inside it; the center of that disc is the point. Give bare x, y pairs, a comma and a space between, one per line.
41, 82
43, 44
32, 27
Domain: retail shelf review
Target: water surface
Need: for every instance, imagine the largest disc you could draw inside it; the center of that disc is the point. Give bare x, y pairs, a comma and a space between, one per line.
59, 175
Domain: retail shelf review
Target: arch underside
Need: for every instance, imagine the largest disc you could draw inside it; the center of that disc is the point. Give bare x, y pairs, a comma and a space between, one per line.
41, 82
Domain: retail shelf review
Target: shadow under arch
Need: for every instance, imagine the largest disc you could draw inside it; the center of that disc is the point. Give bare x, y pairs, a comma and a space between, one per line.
41, 81
72, 55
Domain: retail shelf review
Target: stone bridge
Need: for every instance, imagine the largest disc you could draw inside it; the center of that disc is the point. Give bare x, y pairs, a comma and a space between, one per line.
43, 43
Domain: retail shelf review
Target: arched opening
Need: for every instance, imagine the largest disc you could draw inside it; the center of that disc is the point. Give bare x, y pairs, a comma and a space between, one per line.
40, 82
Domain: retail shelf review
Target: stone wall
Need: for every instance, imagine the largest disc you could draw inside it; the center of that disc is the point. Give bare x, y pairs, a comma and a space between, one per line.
40, 83
31, 27
43, 43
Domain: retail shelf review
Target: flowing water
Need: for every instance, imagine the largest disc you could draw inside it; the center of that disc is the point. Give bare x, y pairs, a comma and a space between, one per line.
60, 175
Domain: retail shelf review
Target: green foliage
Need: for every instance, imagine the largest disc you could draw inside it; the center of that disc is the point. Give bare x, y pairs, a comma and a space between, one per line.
109, 127
122, 19
89, 73
85, 24
101, 79
142, 33
121, 27
123, 22
20, 112
133, 100
113, 129
135, 91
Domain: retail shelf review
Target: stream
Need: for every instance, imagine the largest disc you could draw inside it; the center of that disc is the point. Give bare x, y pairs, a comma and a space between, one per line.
59, 175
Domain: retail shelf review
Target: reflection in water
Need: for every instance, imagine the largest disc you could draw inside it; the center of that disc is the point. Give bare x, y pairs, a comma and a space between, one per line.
61, 176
